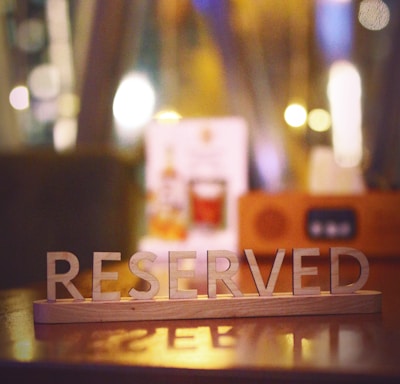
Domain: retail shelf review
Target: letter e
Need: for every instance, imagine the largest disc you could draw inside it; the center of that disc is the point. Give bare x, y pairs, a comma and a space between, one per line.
175, 273
99, 275
299, 271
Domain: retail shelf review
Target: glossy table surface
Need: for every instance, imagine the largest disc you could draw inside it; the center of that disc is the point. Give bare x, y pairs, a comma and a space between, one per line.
342, 348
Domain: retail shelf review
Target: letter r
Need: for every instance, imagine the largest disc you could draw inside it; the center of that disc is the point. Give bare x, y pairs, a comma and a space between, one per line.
64, 278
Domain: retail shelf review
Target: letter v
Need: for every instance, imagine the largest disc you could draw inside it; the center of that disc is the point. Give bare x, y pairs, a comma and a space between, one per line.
255, 272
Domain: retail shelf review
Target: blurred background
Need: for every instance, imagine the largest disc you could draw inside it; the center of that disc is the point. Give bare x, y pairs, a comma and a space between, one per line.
317, 82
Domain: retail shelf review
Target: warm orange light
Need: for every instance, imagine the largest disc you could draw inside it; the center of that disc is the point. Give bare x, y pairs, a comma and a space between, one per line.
319, 120
167, 115
295, 115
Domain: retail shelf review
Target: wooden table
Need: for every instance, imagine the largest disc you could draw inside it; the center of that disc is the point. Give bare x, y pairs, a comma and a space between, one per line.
351, 348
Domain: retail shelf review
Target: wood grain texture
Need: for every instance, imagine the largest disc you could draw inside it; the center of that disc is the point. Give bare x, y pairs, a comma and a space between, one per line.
256, 274
99, 275
226, 276
223, 306
151, 280
299, 271
176, 273
364, 270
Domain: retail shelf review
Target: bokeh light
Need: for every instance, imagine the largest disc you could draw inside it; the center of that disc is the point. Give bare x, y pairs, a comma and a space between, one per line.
68, 104
295, 115
64, 134
167, 115
133, 106
344, 93
31, 35
319, 120
374, 14
44, 81
45, 111
19, 98
334, 27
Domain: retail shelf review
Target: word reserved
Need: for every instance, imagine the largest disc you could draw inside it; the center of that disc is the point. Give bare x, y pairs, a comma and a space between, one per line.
177, 272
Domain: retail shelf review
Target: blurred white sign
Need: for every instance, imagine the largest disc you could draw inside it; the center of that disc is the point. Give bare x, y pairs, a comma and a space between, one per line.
195, 171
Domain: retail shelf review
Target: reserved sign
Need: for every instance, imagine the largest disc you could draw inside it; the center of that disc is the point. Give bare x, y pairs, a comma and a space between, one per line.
186, 303
226, 276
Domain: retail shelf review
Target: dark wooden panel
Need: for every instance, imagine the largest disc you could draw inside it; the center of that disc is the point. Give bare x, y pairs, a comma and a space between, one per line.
79, 203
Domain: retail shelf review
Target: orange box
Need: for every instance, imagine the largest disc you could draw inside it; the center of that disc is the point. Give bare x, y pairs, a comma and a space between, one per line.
369, 222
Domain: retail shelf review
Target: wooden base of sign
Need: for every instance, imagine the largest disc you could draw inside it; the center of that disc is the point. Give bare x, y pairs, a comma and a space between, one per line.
224, 306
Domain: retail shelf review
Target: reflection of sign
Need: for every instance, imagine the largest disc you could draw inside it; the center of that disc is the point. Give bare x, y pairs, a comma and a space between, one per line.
218, 343
186, 304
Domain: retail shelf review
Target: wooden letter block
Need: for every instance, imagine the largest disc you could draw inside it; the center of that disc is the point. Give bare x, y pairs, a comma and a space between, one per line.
255, 272
64, 278
299, 271
99, 275
176, 273
134, 268
225, 276
187, 304
364, 271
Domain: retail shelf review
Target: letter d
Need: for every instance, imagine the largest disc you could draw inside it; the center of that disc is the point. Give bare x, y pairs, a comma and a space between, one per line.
364, 270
